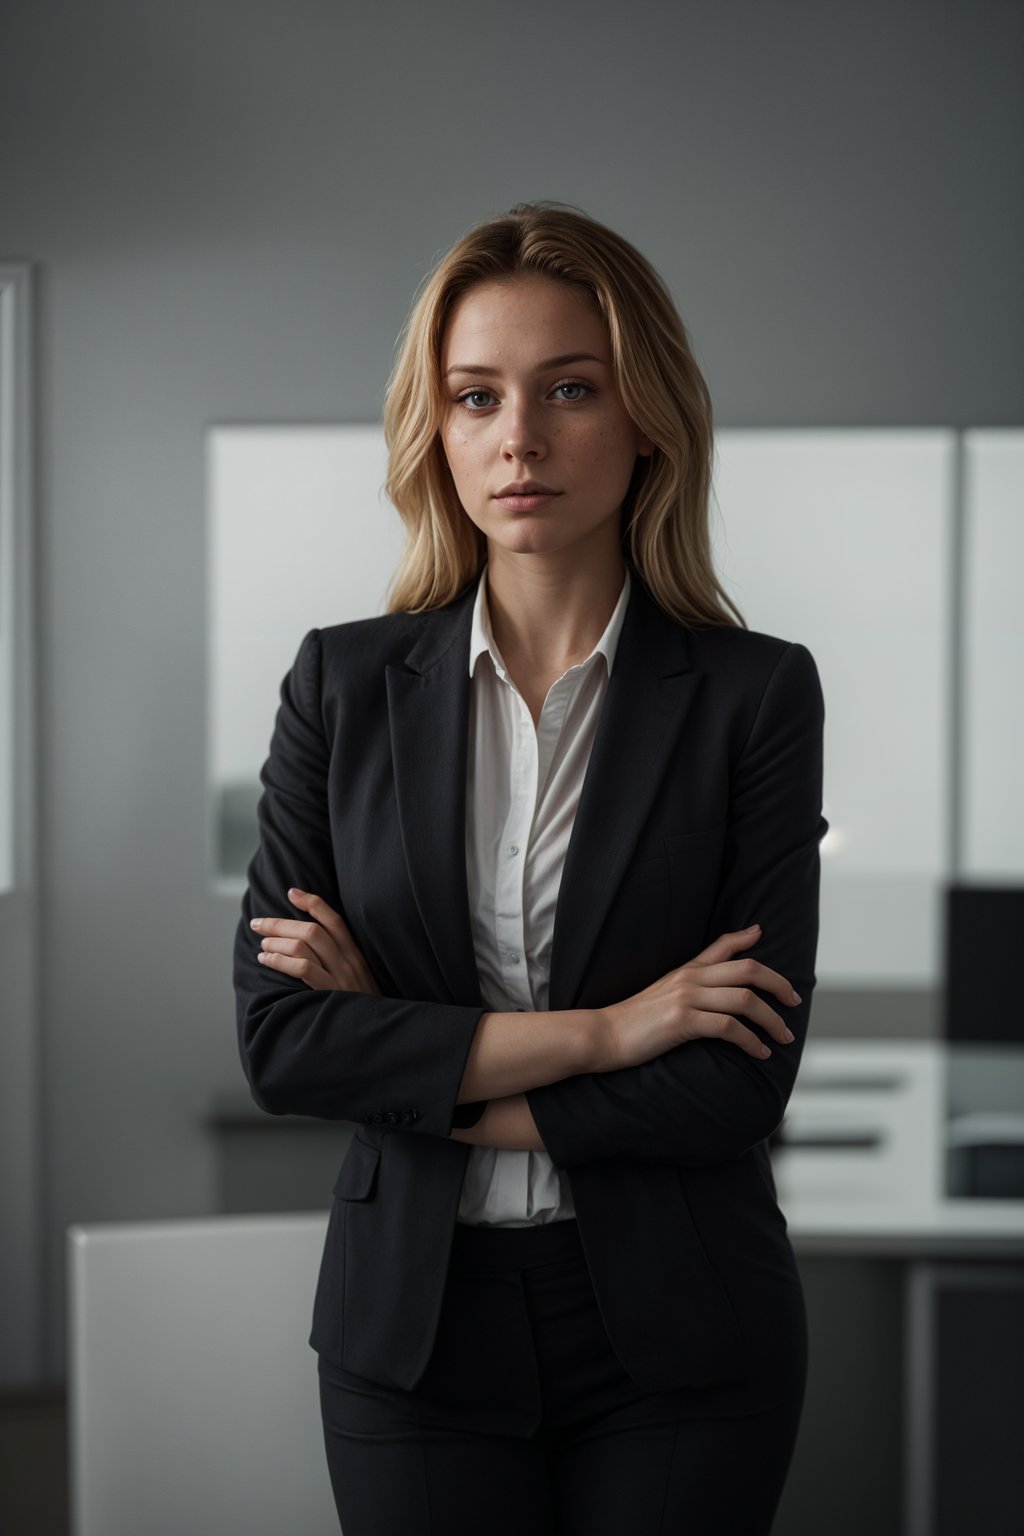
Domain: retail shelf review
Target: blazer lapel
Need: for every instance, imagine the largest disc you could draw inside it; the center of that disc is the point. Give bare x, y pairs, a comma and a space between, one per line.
428, 710
651, 688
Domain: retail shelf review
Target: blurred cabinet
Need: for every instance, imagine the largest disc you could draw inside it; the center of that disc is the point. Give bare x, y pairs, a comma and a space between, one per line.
965, 1408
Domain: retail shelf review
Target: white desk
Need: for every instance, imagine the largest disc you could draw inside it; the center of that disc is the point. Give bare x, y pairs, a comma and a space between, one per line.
862, 1170
863, 1163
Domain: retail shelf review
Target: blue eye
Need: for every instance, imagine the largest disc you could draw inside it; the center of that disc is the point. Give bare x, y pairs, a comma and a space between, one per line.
471, 399
576, 384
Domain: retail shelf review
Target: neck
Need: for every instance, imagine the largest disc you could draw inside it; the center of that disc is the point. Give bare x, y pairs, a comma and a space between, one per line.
548, 613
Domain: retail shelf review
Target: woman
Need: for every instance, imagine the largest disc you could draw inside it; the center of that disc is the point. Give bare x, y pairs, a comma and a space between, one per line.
530, 821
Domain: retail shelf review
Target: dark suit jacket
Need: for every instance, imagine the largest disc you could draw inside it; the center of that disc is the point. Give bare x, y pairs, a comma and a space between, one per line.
700, 813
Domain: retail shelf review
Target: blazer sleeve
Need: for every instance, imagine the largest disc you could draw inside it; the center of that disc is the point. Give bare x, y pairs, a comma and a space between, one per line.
707, 1101
335, 1055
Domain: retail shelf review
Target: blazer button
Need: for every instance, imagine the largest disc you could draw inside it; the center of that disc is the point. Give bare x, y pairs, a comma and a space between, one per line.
391, 1118
413, 1115
377, 1118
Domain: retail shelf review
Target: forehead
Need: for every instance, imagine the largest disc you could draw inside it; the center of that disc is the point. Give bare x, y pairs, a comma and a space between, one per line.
519, 316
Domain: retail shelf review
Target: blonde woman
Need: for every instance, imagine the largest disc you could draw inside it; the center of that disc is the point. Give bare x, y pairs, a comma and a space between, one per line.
535, 906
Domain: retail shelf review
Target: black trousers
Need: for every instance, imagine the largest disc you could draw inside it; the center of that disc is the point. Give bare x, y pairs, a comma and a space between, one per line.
525, 1421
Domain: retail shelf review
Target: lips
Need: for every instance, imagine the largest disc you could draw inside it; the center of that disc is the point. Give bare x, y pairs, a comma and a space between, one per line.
526, 496
525, 488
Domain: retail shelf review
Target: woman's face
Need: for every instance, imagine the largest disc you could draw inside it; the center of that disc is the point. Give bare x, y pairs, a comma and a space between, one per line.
539, 443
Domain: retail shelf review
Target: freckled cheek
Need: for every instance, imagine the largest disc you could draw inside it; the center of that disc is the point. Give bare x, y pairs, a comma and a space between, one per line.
459, 456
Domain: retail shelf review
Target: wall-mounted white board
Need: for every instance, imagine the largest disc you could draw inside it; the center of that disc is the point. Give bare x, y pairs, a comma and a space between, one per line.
299, 535
843, 540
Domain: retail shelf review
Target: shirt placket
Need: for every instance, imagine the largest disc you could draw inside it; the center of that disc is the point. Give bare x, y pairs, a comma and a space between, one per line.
549, 727
515, 834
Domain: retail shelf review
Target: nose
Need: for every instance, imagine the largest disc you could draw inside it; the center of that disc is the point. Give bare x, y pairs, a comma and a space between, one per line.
524, 437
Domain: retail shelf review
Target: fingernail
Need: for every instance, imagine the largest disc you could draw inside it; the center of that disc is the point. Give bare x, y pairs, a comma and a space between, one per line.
765, 1051
752, 928
796, 996
788, 1035
261, 957
255, 922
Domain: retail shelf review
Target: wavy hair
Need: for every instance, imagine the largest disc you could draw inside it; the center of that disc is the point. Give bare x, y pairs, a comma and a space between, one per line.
666, 533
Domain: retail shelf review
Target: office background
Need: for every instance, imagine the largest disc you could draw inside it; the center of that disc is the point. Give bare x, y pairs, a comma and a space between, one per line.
227, 205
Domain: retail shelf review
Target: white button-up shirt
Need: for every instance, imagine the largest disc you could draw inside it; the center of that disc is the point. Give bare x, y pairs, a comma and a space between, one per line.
522, 792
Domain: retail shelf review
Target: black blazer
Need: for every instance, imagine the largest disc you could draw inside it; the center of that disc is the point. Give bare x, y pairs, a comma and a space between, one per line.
700, 813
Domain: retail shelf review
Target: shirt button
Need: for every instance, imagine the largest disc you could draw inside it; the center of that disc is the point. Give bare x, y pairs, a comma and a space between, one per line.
513, 849
514, 958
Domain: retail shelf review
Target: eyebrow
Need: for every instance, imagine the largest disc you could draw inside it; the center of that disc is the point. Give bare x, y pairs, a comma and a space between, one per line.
551, 362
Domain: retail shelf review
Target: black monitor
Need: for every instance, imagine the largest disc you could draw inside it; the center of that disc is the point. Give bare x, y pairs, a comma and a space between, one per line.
984, 948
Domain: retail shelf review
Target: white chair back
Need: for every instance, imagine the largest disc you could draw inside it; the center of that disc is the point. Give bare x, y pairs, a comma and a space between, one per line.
192, 1388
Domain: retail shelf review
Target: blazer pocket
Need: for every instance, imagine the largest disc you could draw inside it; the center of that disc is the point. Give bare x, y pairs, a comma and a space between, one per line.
649, 871
652, 868
358, 1177
681, 843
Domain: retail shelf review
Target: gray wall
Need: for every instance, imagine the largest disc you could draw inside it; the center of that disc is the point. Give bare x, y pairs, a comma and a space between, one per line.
230, 202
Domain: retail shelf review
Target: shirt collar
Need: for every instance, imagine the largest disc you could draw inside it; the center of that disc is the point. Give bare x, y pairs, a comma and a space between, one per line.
481, 639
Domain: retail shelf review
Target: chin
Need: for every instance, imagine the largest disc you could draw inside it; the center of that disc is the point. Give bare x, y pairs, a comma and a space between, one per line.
532, 542
536, 535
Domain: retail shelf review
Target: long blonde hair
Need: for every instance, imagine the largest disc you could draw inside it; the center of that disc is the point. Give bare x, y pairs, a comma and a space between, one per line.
666, 535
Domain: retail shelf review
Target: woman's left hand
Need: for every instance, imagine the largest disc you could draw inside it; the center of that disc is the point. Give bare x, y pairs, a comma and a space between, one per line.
322, 953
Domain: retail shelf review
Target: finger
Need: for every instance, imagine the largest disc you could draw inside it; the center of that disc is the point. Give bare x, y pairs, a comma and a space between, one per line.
305, 970
334, 924
293, 947
747, 1004
723, 1026
751, 973
287, 934
321, 912
283, 927
342, 973
727, 945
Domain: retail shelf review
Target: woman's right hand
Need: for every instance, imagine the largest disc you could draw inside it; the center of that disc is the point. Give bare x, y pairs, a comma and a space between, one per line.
321, 953
706, 998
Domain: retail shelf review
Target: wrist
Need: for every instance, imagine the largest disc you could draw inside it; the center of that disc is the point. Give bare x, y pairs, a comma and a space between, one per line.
506, 1124
596, 1037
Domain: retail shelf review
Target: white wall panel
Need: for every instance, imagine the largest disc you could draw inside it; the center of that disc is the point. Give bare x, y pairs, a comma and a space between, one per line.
300, 535
993, 747
840, 539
